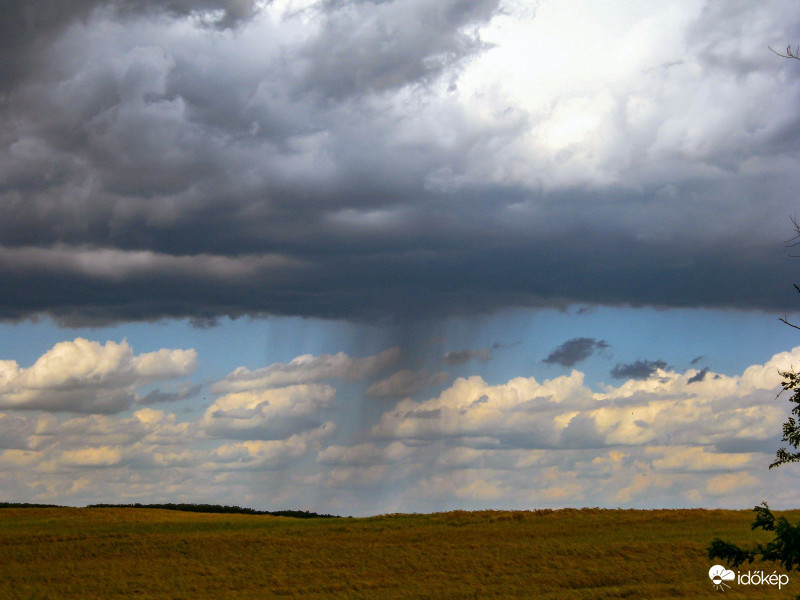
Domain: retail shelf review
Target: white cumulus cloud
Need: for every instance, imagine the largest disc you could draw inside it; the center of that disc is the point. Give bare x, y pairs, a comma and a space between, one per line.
307, 368
86, 376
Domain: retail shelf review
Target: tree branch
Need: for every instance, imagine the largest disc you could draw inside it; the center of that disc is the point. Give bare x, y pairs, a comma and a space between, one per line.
783, 320
797, 287
789, 52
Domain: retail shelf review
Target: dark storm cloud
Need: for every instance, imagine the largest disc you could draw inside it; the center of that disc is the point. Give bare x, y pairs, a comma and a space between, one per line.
574, 351
84, 285
640, 369
323, 163
28, 26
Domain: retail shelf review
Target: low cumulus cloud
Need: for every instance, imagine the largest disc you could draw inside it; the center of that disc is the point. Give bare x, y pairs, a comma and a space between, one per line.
518, 443
285, 398
574, 351
265, 455
86, 376
267, 414
563, 412
308, 368
370, 160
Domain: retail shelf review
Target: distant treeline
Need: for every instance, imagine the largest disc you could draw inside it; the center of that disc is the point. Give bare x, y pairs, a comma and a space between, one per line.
218, 508
201, 508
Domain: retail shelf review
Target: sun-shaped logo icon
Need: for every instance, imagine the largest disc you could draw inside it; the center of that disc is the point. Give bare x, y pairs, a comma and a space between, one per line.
719, 575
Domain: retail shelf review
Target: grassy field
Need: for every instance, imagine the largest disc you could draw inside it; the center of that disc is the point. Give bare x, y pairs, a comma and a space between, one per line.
115, 553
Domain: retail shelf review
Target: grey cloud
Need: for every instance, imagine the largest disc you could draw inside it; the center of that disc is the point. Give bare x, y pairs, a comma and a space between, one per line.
733, 445
91, 430
482, 400
365, 454
424, 414
404, 383
16, 431
699, 376
28, 26
457, 357
409, 41
93, 401
640, 369
220, 428
358, 286
150, 169
158, 396
574, 351
582, 433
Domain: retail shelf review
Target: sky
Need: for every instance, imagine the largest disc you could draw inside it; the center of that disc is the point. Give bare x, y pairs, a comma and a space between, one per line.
361, 256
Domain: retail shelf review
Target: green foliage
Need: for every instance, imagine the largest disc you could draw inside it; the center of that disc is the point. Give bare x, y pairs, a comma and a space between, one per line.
791, 429
784, 548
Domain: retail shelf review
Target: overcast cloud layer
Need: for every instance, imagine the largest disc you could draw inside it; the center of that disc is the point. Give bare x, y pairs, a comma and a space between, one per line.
180, 158
274, 437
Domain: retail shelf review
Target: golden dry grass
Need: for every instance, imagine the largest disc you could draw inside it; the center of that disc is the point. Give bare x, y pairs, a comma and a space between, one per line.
115, 553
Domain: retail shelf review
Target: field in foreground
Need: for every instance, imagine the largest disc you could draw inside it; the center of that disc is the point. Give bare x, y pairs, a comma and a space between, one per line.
115, 553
